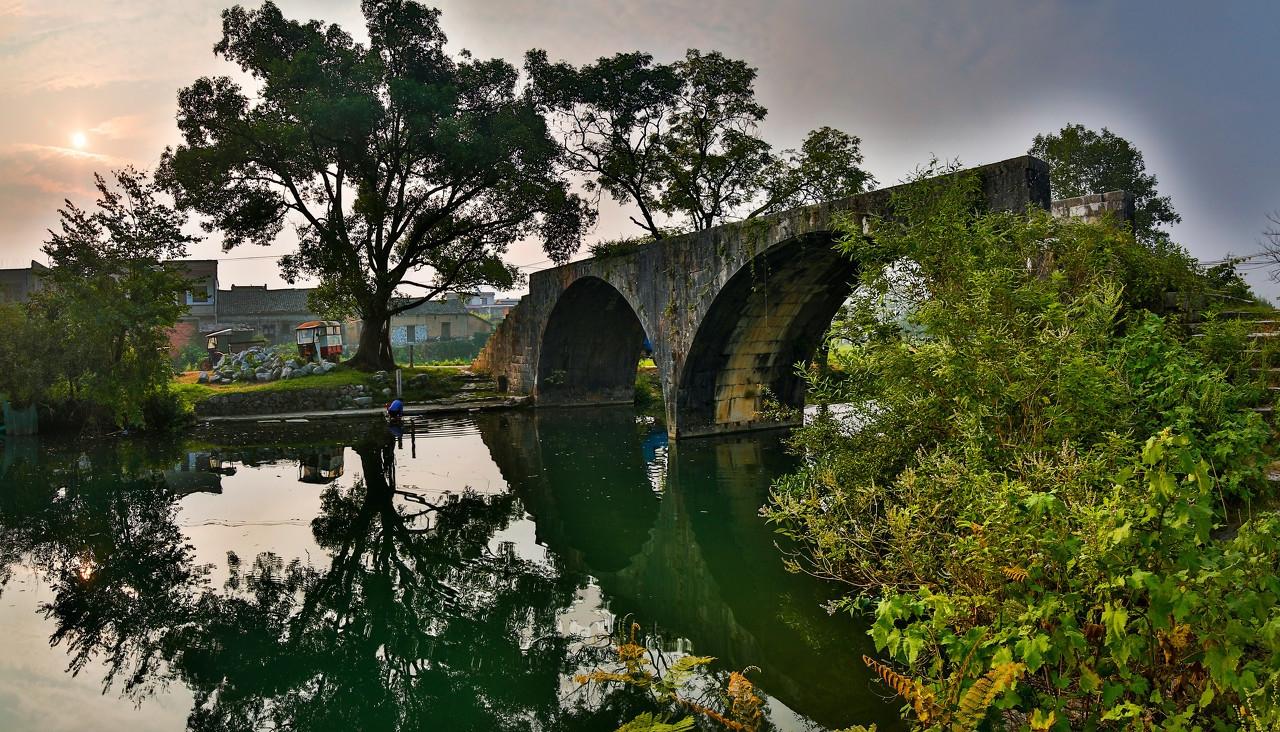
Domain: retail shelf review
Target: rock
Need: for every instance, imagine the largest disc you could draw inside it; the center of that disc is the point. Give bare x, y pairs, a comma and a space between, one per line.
386, 392
276, 373
327, 366
263, 376
363, 402
286, 373
203, 378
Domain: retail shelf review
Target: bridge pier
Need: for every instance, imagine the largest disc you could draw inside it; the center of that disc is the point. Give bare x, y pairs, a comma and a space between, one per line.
730, 312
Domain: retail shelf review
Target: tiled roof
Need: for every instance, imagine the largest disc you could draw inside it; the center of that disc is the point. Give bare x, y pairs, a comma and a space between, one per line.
261, 301
432, 307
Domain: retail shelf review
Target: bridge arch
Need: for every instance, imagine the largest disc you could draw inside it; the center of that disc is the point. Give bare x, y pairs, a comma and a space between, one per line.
590, 346
770, 315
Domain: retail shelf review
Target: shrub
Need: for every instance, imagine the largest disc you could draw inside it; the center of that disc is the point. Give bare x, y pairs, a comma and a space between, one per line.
1035, 470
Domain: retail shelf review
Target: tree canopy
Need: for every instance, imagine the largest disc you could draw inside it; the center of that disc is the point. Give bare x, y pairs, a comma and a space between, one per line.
94, 337
680, 141
1083, 161
399, 165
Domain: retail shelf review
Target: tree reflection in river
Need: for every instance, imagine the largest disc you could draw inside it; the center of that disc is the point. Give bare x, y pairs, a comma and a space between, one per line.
419, 613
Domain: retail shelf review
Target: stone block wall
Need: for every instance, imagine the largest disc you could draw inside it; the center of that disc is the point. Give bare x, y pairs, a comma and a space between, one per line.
1095, 207
354, 396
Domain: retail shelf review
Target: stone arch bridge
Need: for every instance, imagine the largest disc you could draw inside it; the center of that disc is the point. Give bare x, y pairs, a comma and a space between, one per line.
729, 311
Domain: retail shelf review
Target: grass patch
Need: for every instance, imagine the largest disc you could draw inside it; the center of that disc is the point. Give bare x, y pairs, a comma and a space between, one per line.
649, 394
441, 382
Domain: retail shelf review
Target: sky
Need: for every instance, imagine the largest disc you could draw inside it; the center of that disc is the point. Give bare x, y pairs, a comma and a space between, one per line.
1193, 85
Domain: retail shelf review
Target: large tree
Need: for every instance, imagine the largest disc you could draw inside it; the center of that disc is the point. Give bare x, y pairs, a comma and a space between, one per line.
680, 143
1083, 161
399, 165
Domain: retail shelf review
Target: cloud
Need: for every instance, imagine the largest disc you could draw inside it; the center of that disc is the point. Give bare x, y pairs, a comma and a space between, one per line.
127, 126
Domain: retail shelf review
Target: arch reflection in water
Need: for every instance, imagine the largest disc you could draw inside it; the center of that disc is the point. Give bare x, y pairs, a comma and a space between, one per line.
697, 561
420, 603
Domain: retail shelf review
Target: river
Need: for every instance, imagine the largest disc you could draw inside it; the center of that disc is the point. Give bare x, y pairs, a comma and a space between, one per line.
457, 576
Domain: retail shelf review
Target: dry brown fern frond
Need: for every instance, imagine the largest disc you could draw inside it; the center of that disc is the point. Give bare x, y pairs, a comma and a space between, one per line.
744, 704
921, 698
1015, 574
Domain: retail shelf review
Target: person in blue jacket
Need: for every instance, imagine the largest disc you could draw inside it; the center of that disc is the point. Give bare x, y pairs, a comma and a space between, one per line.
395, 410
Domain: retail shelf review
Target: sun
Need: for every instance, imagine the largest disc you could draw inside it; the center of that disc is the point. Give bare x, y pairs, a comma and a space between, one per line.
79, 140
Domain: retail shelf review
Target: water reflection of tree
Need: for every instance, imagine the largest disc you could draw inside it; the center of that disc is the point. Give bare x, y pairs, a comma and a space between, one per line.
416, 618
101, 528
415, 621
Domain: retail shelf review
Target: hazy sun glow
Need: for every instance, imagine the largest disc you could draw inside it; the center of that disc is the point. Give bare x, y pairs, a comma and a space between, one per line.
79, 140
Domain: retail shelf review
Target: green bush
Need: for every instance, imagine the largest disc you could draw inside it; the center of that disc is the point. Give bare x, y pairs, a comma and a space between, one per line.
1044, 491
455, 351
190, 357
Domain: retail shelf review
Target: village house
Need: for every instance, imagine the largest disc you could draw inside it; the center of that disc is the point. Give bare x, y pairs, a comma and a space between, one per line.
436, 320
486, 304
276, 313
16, 285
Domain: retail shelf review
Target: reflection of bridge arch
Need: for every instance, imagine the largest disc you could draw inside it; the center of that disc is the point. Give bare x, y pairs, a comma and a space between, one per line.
697, 562
729, 311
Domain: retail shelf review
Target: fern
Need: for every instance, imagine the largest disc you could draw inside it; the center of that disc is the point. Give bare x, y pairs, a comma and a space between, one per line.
979, 698
1015, 574
649, 722
922, 699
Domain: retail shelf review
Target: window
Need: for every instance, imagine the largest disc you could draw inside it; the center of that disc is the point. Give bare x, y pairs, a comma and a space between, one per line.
199, 296
445, 330
411, 333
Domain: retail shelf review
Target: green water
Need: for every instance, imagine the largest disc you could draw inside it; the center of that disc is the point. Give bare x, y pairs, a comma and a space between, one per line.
337, 576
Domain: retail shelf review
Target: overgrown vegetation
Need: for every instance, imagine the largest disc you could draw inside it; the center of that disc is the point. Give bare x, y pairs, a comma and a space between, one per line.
1049, 495
648, 400
681, 690
91, 346
455, 351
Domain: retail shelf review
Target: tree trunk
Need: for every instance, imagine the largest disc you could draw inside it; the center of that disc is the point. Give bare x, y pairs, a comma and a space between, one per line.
374, 353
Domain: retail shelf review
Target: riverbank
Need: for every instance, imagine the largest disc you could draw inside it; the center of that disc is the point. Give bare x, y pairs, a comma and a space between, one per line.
340, 390
458, 406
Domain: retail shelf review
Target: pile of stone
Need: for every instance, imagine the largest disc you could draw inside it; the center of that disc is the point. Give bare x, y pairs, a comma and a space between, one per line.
262, 364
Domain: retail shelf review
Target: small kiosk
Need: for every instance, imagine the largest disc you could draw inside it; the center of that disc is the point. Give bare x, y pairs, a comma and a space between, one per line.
320, 340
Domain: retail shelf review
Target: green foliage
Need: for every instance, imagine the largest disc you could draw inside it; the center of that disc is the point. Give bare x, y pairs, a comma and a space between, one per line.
393, 157
827, 167
1083, 161
671, 686
1224, 281
648, 399
680, 140
712, 157
454, 350
1032, 469
611, 247
92, 344
190, 356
